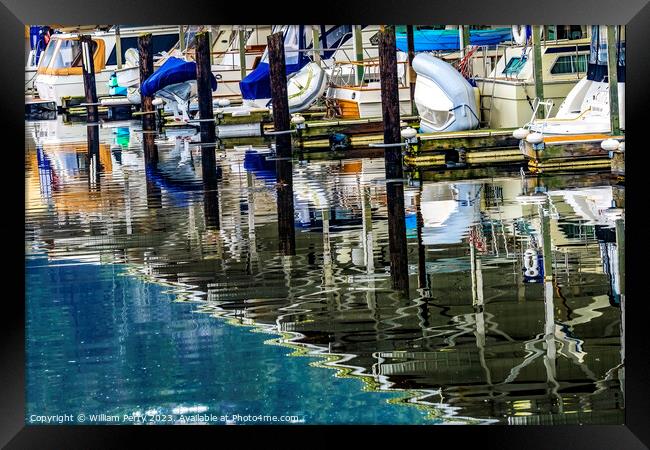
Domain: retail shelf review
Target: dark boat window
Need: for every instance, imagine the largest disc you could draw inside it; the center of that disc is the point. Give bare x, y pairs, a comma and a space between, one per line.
161, 43
569, 64
514, 66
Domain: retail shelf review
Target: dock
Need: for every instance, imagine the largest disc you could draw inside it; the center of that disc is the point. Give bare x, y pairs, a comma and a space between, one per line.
576, 152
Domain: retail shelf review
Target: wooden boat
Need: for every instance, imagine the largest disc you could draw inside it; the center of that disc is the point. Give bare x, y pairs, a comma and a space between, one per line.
352, 97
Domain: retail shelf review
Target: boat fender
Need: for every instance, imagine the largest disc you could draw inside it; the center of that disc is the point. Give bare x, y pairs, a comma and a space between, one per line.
297, 119
520, 133
535, 138
408, 133
621, 147
610, 145
223, 102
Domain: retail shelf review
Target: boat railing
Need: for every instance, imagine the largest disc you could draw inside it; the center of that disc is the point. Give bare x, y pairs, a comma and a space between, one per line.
345, 73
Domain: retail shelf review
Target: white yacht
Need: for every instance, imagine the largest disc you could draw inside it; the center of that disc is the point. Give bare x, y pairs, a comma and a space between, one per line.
59, 72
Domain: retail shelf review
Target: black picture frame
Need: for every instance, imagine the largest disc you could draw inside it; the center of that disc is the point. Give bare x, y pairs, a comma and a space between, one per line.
635, 14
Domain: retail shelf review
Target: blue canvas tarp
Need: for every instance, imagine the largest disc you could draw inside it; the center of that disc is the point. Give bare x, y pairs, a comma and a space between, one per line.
173, 71
430, 40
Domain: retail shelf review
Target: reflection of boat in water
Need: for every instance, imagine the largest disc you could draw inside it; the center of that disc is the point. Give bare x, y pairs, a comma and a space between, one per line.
449, 210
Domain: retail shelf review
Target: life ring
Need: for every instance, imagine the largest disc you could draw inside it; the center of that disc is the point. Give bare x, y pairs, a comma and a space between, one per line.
521, 33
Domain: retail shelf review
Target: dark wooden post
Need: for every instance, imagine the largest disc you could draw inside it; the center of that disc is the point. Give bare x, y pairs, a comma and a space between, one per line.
537, 58
145, 51
204, 88
88, 70
281, 122
393, 157
410, 42
280, 100
612, 77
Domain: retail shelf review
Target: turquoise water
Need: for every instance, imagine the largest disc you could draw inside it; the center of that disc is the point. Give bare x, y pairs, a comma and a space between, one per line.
101, 341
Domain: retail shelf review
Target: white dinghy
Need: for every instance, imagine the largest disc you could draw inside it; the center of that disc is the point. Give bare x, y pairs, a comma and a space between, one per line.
444, 98
305, 87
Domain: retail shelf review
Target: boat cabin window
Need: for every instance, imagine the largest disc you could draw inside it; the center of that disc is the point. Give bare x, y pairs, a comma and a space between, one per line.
514, 66
570, 64
160, 42
49, 52
69, 54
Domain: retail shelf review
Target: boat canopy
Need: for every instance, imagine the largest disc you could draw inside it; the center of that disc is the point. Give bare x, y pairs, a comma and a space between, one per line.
173, 71
430, 40
258, 83
597, 67
63, 56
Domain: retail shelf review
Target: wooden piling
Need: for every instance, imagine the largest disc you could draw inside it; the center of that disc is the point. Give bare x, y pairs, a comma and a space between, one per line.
358, 51
393, 158
88, 71
612, 77
118, 47
537, 63
181, 38
315, 39
204, 89
410, 43
242, 52
280, 100
145, 51
463, 36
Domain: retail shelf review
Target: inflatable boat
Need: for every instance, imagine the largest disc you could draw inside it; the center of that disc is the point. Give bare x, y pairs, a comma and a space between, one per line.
444, 98
305, 87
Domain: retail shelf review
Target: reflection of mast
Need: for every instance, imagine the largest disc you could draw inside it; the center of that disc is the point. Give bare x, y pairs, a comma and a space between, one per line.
549, 340
479, 313
423, 281
252, 240
620, 277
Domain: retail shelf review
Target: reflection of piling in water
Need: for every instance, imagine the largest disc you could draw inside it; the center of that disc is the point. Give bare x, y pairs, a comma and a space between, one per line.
204, 88
210, 187
286, 212
423, 280
90, 91
94, 166
393, 158
154, 194
145, 51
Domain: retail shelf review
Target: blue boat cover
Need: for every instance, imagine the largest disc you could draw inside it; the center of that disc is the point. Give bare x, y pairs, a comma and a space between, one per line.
173, 71
429, 40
